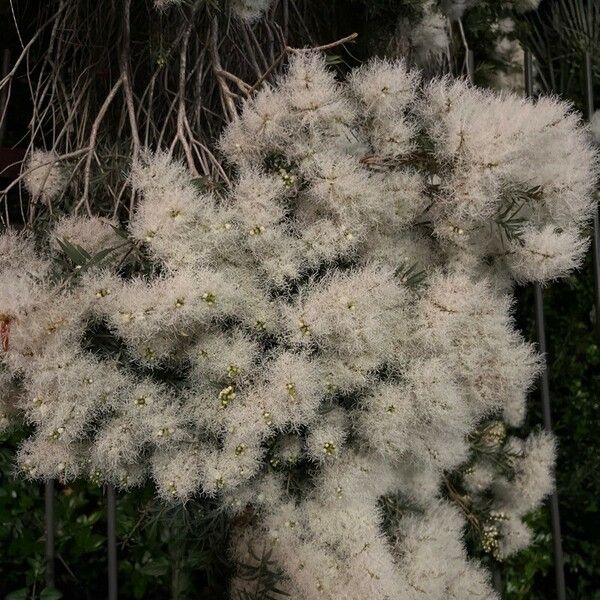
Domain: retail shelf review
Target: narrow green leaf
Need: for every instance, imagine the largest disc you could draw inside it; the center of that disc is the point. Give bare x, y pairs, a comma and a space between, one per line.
17, 595
50, 594
202, 184
120, 231
74, 253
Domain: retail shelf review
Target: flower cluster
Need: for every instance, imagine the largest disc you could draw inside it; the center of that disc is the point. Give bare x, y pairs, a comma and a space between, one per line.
456, 8
424, 32
245, 10
331, 330
44, 178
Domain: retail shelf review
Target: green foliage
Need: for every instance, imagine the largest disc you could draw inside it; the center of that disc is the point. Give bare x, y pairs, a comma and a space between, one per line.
263, 576
411, 275
522, 573
80, 259
80, 538
574, 369
178, 553
183, 549
509, 219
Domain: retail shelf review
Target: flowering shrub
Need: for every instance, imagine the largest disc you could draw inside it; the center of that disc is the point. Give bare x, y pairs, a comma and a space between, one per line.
326, 345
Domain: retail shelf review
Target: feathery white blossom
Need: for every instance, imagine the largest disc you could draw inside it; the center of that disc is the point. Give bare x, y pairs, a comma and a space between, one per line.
44, 177
526, 5
339, 318
595, 126
250, 10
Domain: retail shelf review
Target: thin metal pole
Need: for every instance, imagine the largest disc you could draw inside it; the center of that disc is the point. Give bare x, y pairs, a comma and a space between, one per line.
589, 85
528, 73
589, 96
111, 522
470, 66
49, 525
497, 580
544, 383
559, 569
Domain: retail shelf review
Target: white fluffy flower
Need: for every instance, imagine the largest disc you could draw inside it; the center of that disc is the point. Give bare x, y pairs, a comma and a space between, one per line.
533, 478
455, 9
249, 10
385, 89
595, 126
44, 177
544, 255
526, 5
428, 37
93, 234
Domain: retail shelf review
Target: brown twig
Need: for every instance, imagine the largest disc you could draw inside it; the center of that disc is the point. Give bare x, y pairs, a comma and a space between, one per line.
288, 50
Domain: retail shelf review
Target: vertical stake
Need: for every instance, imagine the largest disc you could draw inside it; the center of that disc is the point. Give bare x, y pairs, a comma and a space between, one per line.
497, 579
49, 525
111, 527
559, 570
545, 390
470, 66
589, 96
